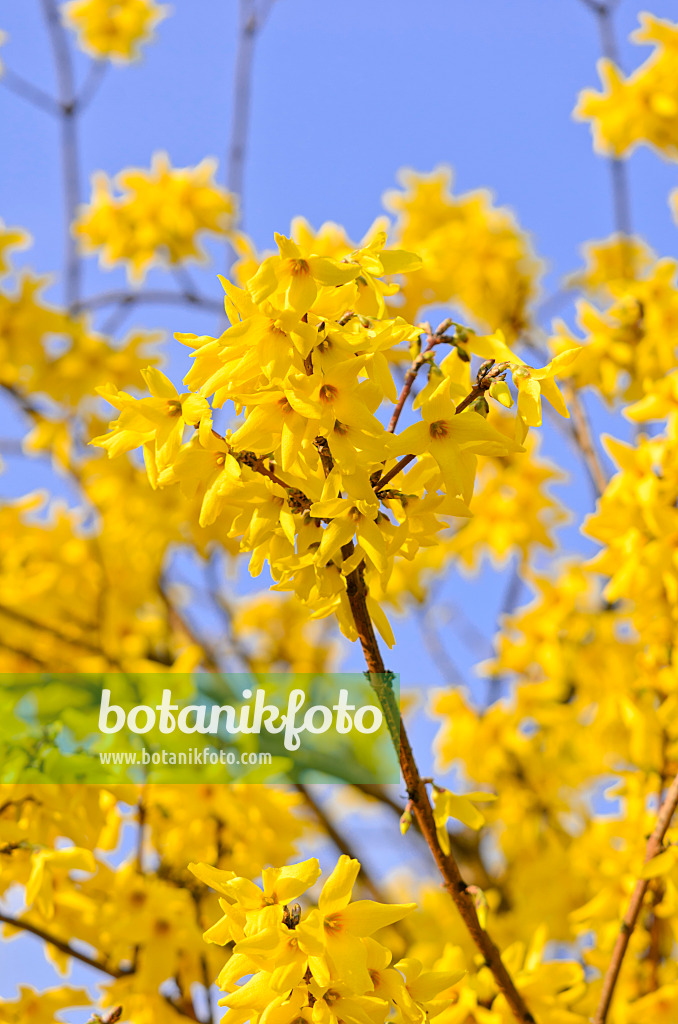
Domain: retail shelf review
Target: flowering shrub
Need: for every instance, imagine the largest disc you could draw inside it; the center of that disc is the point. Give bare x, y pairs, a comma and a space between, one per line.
360, 422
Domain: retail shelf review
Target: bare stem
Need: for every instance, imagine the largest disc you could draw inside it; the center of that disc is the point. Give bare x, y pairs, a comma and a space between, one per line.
410, 378
654, 846
69, 144
155, 296
581, 432
604, 13
251, 18
387, 477
64, 947
32, 93
95, 76
340, 841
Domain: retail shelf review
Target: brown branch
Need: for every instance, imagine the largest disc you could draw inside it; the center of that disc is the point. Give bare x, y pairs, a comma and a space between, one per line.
20, 652
654, 846
418, 794
141, 828
580, 429
380, 679
386, 479
410, 378
112, 1017
64, 947
95, 76
464, 849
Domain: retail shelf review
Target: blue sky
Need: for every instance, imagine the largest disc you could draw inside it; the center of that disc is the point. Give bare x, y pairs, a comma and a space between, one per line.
345, 94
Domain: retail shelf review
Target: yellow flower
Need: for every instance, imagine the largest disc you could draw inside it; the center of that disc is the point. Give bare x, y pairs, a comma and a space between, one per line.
297, 276
533, 385
357, 515
113, 29
10, 238
157, 218
41, 1007
473, 253
452, 805
453, 440
340, 925
642, 108
158, 423
39, 888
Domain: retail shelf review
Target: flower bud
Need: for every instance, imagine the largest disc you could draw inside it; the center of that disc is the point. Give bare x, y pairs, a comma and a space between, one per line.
406, 818
499, 390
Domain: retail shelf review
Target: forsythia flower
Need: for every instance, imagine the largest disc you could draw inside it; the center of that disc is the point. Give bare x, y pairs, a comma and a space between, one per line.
45, 862
474, 255
158, 423
113, 29
631, 343
612, 264
41, 1007
10, 238
321, 965
642, 108
297, 481
452, 805
157, 217
636, 522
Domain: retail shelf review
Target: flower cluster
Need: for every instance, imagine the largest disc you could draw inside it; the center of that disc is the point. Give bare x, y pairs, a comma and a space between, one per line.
643, 108
631, 343
473, 253
113, 29
156, 218
321, 965
305, 480
144, 923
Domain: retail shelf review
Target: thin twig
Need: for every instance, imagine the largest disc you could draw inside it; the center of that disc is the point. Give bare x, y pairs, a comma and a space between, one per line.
604, 13
338, 839
478, 389
46, 627
654, 846
32, 93
410, 378
508, 604
440, 656
141, 828
250, 23
69, 144
251, 20
549, 306
177, 621
95, 77
64, 947
157, 296
463, 848
381, 681
399, 466
580, 429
